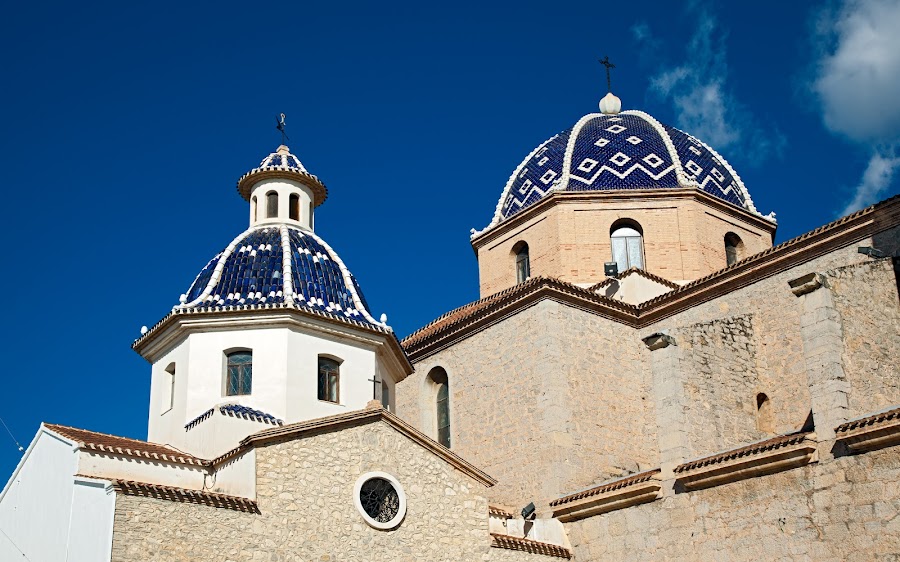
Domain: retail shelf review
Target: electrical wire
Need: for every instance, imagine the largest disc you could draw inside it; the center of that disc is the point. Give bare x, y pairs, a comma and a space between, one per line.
14, 544
13, 437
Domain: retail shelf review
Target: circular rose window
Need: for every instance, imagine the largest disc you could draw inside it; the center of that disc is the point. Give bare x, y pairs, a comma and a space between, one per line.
380, 500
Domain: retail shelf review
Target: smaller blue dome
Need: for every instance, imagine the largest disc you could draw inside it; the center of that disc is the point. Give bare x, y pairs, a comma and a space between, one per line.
279, 266
282, 164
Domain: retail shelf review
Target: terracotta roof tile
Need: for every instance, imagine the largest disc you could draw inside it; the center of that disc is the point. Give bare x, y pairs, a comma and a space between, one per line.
528, 545
106, 443
171, 493
499, 512
752, 449
607, 487
633, 271
883, 416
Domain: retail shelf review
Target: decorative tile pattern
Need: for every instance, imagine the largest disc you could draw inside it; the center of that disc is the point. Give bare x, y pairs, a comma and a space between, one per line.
712, 175
253, 269
630, 150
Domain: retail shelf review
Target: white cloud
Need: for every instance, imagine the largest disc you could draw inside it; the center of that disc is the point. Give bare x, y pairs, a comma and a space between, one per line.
858, 78
857, 85
876, 179
704, 105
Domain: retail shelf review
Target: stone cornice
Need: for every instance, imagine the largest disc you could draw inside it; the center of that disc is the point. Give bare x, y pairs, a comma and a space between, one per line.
616, 494
757, 459
563, 197
872, 432
181, 322
359, 417
474, 317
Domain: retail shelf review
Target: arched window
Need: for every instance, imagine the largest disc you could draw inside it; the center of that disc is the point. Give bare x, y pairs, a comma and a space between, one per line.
329, 379
271, 205
439, 381
253, 208
734, 248
627, 240
168, 388
239, 373
294, 207
523, 262
765, 420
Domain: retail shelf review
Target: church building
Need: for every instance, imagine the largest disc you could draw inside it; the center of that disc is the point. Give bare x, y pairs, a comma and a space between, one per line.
645, 376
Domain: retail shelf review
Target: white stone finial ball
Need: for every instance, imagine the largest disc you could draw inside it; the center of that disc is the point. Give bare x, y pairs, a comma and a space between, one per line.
610, 104
383, 318
144, 330
182, 299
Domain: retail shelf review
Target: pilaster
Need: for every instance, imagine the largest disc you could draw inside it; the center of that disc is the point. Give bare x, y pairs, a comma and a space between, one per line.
821, 333
670, 404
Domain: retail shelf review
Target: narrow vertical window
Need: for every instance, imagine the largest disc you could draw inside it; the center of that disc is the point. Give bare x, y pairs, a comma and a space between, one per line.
627, 246
441, 388
733, 248
239, 373
311, 225
295, 207
523, 262
253, 208
168, 388
385, 395
329, 379
271, 205
765, 420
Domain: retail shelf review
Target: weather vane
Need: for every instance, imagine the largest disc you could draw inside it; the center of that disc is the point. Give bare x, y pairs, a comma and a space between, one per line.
280, 126
605, 62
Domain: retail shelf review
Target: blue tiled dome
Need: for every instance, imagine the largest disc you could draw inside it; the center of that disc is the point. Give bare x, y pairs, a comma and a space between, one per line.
282, 164
279, 266
627, 150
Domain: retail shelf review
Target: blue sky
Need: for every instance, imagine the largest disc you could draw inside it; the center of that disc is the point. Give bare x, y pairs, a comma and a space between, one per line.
126, 126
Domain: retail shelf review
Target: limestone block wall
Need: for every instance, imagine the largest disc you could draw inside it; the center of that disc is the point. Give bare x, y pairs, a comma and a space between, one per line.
843, 510
305, 497
549, 400
866, 297
718, 360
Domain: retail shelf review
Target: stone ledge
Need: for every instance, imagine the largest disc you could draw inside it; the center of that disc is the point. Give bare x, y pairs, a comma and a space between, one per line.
871, 432
182, 495
625, 492
528, 545
758, 459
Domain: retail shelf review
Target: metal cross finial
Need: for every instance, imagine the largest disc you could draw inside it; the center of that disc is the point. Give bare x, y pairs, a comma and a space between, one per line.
279, 124
374, 380
605, 62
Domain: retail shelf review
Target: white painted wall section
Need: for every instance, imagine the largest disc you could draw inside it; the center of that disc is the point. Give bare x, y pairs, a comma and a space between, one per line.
91, 524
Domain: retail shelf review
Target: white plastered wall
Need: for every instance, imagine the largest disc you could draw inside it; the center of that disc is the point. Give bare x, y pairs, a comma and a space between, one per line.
284, 188
45, 512
285, 381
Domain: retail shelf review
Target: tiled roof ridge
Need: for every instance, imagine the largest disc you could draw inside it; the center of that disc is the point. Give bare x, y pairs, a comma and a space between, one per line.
247, 413
885, 415
501, 298
770, 444
607, 486
173, 493
125, 445
774, 249
528, 545
635, 315
500, 511
638, 271
196, 421
366, 415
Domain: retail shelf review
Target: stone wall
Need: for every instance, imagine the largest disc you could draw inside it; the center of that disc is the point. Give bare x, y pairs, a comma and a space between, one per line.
305, 497
718, 360
866, 298
550, 400
844, 510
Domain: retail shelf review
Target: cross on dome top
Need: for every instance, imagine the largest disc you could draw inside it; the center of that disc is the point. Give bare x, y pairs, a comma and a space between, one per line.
610, 104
